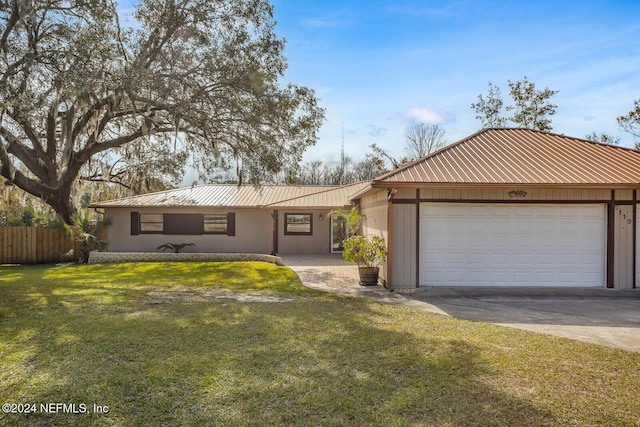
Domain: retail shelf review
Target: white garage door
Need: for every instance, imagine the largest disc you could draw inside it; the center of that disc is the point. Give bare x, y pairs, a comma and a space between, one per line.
512, 245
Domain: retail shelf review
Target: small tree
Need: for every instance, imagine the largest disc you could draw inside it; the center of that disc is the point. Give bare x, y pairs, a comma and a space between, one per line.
366, 252
489, 109
352, 219
532, 108
630, 122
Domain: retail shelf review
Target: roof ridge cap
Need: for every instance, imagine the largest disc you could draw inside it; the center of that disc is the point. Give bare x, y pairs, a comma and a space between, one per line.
335, 187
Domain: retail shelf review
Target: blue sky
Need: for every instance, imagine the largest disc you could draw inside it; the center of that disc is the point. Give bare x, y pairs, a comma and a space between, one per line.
381, 66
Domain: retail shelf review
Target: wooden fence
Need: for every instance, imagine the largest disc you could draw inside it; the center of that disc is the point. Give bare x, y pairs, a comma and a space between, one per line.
36, 245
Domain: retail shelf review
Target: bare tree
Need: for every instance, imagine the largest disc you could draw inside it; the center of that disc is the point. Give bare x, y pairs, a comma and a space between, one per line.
423, 139
368, 169
314, 172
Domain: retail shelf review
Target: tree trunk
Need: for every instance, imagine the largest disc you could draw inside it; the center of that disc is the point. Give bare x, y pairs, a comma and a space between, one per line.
63, 206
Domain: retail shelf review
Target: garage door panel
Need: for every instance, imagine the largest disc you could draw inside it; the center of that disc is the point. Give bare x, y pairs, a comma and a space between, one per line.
512, 245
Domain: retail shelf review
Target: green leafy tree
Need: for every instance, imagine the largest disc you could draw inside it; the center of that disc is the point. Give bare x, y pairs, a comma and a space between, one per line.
630, 122
197, 80
602, 138
489, 108
531, 108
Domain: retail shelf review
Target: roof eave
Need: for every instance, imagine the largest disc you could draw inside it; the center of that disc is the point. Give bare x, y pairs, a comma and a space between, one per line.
451, 185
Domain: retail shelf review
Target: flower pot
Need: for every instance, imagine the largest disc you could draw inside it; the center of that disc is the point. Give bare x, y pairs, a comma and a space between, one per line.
368, 275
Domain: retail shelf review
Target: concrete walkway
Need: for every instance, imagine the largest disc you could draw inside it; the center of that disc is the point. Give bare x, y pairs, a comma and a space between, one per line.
600, 316
330, 273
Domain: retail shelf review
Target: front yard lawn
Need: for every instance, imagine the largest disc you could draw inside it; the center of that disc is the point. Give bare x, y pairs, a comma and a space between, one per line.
245, 344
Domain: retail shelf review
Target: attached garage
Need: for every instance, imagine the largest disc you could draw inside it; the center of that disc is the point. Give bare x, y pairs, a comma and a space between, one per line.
488, 244
513, 207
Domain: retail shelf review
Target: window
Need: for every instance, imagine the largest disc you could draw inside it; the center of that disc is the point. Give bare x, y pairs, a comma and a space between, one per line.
183, 224
151, 223
215, 224
298, 224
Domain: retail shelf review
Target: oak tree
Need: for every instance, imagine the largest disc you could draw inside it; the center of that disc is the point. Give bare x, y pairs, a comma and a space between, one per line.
85, 89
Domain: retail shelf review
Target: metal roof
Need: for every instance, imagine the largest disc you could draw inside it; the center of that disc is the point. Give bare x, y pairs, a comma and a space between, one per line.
335, 197
246, 196
522, 156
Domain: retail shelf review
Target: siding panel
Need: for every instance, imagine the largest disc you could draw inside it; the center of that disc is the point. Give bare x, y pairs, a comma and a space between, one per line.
403, 237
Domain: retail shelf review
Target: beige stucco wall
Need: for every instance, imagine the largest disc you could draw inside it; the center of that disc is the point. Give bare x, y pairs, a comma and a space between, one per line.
253, 232
318, 243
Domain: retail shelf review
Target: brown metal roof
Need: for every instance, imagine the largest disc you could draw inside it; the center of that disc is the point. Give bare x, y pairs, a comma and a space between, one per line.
522, 156
332, 198
245, 196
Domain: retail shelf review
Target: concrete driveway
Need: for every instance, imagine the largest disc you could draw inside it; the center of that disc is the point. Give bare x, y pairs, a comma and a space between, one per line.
600, 316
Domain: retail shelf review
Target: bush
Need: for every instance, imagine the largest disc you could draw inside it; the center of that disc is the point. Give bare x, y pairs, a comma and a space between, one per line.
366, 252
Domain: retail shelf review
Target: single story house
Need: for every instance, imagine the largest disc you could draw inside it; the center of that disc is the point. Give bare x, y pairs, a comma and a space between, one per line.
502, 207
270, 219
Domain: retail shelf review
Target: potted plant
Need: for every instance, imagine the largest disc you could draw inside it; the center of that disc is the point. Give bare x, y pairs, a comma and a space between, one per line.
367, 253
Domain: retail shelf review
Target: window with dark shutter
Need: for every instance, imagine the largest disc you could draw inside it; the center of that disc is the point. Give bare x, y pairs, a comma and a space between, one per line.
215, 224
151, 223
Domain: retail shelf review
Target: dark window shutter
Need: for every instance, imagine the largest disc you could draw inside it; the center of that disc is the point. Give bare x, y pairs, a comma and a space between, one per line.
231, 224
183, 224
135, 223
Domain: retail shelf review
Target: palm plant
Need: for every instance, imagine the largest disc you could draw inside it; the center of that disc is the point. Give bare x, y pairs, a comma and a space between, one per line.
176, 248
87, 229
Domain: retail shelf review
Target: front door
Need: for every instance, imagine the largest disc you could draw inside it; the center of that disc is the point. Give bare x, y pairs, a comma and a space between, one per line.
339, 232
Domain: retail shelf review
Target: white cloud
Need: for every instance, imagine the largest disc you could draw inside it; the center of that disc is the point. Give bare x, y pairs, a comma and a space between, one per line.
424, 115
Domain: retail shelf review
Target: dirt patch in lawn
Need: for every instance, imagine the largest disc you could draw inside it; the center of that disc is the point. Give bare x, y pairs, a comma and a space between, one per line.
166, 297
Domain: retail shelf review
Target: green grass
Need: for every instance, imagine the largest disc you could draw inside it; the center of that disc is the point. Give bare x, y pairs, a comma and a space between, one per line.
159, 345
